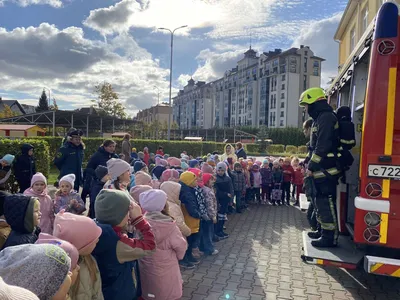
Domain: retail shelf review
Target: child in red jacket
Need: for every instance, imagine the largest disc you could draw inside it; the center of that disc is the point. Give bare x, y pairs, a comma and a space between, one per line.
298, 178
288, 174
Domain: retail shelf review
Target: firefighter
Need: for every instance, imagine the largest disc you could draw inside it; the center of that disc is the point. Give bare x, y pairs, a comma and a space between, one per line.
322, 166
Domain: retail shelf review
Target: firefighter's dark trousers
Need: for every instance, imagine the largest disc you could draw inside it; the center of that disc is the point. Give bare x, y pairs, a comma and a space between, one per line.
325, 202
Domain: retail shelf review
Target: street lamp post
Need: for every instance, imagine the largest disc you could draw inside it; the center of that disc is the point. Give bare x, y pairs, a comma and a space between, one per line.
170, 76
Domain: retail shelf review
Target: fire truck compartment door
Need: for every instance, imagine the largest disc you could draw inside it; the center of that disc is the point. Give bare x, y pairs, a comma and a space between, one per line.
345, 253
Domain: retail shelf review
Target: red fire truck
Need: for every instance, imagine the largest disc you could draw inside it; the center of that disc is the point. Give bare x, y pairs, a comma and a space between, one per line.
368, 203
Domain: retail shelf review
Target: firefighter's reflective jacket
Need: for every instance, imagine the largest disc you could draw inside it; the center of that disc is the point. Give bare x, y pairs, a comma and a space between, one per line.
324, 141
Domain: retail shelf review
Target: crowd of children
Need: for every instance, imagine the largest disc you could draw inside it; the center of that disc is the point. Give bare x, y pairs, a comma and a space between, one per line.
145, 220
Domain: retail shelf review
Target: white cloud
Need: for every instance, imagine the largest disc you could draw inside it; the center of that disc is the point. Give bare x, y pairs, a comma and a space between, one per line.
223, 18
319, 36
71, 65
25, 3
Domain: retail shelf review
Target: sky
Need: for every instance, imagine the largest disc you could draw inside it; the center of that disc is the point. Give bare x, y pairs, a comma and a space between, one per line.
70, 46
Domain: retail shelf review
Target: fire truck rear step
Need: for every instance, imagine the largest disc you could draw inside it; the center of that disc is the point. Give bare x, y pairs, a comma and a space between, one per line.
345, 255
382, 266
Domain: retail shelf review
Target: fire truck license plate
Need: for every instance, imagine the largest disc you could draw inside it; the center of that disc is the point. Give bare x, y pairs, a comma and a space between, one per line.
384, 171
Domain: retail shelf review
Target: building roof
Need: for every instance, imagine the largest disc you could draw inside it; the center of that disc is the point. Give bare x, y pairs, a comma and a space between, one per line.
12, 103
351, 6
18, 127
317, 57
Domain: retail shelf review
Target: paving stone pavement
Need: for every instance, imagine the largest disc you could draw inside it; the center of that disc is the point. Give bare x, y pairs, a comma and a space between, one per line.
261, 260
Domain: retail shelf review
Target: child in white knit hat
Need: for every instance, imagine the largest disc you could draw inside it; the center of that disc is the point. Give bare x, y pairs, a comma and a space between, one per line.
120, 173
39, 189
67, 198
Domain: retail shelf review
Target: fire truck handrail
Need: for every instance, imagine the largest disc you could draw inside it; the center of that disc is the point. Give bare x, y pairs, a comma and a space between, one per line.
375, 205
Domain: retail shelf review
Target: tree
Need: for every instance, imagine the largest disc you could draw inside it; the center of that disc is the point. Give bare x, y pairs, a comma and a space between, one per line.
109, 102
43, 103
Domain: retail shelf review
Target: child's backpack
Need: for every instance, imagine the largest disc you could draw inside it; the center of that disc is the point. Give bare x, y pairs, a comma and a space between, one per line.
347, 137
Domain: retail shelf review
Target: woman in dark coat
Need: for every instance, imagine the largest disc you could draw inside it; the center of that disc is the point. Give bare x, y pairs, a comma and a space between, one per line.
24, 167
100, 158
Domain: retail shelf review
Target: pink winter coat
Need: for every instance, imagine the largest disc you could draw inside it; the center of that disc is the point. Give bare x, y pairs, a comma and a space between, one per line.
160, 274
46, 208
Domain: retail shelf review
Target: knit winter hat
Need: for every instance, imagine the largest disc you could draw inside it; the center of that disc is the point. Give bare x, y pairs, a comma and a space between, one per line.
184, 165
116, 167
39, 268
137, 190
139, 165
258, 163
80, 231
140, 154
153, 200
193, 163
207, 168
38, 177
221, 166
163, 163
112, 206
157, 160
70, 178
174, 162
188, 178
18, 211
265, 162
100, 172
207, 177
13, 292
142, 178
8, 158
169, 174
70, 249
166, 156
3, 195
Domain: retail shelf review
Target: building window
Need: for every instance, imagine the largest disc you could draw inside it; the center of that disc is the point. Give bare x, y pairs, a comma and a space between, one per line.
305, 82
316, 71
282, 114
283, 77
352, 39
283, 86
282, 95
281, 123
365, 19
305, 64
282, 104
305, 53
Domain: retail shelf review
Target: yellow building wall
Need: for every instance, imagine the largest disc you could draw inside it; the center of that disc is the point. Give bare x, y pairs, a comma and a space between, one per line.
34, 131
356, 22
14, 133
2, 133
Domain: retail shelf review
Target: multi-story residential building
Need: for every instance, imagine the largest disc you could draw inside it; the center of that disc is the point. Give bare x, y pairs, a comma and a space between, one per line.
283, 76
260, 90
159, 112
193, 106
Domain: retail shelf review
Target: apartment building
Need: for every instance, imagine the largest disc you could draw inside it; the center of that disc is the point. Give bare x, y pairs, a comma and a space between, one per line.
193, 107
159, 112
259, 90
283, 76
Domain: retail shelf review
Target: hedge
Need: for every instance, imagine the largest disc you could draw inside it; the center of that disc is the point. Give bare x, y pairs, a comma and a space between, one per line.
41, 153
287, 136
291, 149
252, 148
302, 149
173, 148
276, 148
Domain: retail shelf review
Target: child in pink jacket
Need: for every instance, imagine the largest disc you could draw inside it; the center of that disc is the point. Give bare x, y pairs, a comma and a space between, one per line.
39, 189
160, 274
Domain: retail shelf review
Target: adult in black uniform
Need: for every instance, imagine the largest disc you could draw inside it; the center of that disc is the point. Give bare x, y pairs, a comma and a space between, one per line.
324, 143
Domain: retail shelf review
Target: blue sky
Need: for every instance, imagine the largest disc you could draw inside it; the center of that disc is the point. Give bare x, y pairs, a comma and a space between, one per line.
69, 46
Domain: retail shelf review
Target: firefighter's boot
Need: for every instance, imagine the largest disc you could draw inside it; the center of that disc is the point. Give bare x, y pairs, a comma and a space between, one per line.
315, 234
327, 240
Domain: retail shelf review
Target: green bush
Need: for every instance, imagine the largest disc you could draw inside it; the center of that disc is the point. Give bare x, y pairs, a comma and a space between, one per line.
291, 149
302, 149
253, 148
276, 148
173, 148
286, 136
41, 154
